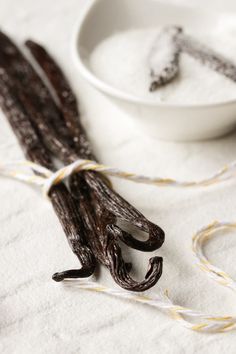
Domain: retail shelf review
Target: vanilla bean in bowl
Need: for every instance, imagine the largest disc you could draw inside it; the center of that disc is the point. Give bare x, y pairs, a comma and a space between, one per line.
100, 207
164, 57
206, 56
165, 54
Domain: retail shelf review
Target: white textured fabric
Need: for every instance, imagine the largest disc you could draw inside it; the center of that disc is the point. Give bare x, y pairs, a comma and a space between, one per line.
39, 316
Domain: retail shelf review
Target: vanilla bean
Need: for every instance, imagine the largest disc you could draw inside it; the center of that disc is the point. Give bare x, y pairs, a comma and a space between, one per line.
108, 205
95, 205
206, 56
35, 94
62, 201
71, 115
164, 57
68, 102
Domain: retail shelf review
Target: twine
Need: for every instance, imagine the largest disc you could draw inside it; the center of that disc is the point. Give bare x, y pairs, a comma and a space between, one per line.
32, 173
41, 176
188, 318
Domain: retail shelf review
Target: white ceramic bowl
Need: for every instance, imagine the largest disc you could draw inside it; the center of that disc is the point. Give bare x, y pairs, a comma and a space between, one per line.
101, 18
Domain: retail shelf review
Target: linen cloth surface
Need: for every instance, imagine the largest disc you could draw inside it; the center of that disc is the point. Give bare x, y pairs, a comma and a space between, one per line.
39, 316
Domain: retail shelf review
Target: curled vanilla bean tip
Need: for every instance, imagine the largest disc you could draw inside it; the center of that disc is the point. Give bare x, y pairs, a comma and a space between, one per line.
124, 280
155, 240
73, 274
164, 57
155, 267
124, 211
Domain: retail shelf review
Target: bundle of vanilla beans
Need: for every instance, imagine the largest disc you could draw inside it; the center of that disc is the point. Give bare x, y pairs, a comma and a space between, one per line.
89, 210
172, 40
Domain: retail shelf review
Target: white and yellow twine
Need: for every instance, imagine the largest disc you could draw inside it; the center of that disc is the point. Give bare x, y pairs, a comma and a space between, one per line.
32, 173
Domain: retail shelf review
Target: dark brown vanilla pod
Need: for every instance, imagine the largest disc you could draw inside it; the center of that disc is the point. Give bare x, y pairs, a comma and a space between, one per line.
108, 206
35, 94
68, 102
164, 57
62, 201
103, 240
206, 56
57, 137
114, 203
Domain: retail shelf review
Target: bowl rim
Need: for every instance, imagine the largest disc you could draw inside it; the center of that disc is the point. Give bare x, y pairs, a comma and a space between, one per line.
122, 95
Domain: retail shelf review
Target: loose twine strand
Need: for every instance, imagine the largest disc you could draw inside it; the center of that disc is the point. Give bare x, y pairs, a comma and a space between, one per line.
32, 173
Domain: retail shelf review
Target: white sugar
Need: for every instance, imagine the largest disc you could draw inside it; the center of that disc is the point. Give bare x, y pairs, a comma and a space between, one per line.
122, 61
